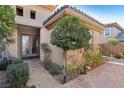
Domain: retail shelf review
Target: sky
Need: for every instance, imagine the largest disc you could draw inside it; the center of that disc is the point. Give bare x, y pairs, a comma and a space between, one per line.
105, 13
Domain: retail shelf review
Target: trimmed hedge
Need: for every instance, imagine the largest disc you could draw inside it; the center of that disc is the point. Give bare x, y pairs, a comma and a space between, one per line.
5, 63
18, 75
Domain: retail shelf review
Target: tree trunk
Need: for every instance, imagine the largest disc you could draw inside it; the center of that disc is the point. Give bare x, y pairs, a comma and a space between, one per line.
64, 65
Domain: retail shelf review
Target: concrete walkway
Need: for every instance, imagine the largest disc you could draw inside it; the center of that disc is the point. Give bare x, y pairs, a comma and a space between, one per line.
106, 76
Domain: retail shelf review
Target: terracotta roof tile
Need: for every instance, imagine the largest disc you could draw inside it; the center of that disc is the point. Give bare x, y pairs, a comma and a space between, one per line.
74, 9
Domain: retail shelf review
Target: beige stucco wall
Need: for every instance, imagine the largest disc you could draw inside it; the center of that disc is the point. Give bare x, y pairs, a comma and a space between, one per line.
13, 48
96, 41
57, 53
41, 15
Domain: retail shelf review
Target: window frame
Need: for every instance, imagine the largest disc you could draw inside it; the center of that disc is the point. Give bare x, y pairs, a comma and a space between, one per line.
109, 29
91, 40
31, 12
21, 8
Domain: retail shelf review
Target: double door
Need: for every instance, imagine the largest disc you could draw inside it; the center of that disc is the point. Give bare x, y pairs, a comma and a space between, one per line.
29, 45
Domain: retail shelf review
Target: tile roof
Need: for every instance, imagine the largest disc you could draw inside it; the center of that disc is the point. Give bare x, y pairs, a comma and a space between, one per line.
115, 25
74, 9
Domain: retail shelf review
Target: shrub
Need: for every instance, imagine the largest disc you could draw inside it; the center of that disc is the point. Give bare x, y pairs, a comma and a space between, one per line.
118, 56
74, 69
56, 69
94, 59
53, 68
47, 64
16, 61
121, 54
18, 74
5, 63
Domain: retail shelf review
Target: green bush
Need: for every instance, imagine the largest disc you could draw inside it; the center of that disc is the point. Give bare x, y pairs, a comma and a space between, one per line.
94, 59
56, 69
5, 63
117, 56
18, 74
121, 54
16, 61
52, 68
47, 64
74, 69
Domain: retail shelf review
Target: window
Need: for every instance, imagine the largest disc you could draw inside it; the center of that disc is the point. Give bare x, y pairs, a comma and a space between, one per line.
19, 11
107, 32
32, 14
91, 40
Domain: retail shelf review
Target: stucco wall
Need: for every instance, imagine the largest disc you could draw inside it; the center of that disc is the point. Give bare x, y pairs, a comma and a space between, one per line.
96, 41
13, 48
57, 53
41, 15
114, 33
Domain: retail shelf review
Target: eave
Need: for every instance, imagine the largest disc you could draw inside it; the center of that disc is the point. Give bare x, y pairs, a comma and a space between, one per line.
68, 11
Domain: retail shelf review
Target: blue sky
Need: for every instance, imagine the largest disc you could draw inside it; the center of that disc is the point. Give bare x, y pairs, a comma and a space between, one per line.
105, 13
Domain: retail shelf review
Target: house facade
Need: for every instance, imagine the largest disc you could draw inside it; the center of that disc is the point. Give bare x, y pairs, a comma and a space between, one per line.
111, 30
35, 24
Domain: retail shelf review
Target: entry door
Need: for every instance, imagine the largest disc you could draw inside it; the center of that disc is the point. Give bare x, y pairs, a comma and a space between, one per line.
30, 45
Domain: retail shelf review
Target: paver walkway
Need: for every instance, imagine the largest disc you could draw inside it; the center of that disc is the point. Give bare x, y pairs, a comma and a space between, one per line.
39, 76
107, 75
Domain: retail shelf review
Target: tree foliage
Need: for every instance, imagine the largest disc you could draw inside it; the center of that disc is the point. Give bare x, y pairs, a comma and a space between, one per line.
112, 41
7, 23
70, 33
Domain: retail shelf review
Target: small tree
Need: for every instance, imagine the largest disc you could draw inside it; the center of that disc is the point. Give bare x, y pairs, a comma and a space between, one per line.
70, 34
7, 23
112, 42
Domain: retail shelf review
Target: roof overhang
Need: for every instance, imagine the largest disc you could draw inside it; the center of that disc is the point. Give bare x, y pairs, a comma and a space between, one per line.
115, 25
85, 19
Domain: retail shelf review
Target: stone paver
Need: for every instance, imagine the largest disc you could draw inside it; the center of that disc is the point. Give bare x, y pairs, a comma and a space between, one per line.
39, 76
107, 75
